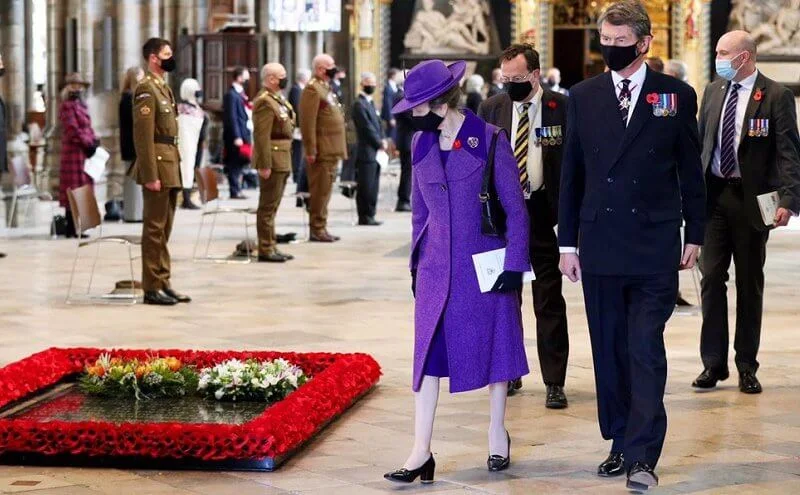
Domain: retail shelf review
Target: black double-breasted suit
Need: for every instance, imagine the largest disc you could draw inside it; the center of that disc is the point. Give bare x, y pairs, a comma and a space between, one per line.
552, 339
624, 192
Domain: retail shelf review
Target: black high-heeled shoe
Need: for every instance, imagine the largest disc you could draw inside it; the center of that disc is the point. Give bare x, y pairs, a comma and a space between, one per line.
424, 472
497, 462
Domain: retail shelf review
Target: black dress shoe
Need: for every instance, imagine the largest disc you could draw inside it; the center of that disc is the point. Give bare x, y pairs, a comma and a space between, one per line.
2, 255
514, 385
239, 196
748, 383
285, 255
556, 398
271, 258
323, 237
680, 301
641, 477
497, 462
188, 205
402, 207
424, 472
334, 237
370, 222
181, 298
159, 298
709, 378
614, 465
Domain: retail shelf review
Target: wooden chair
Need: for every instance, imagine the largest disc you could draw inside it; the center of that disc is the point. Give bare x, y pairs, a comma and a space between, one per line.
209, 196
86, 215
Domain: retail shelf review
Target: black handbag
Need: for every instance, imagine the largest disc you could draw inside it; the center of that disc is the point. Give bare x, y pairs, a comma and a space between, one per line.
493, 217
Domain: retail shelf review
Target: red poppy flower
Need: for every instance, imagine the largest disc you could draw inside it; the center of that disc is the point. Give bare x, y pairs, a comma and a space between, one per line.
457, 144
758, 95
652, 98
552, 104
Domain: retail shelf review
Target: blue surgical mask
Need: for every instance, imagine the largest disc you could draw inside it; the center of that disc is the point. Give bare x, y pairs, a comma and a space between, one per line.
725, 68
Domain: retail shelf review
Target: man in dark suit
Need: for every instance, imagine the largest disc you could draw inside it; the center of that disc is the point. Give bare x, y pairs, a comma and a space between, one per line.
298, 157
750, 147
527, 111
390, 90
235, 133
631, 172
370, 139
405, 132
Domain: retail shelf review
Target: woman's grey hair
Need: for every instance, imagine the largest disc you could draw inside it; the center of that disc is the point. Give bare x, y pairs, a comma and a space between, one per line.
678, 68
474, 83
627, 13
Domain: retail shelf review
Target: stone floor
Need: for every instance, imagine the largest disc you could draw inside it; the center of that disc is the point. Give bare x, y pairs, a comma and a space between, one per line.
355, 296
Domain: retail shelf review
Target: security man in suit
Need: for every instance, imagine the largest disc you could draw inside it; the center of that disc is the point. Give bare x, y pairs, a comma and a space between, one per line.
273, 124
631, 173
536, 119
750, 147
370, 139
323, 132
157, 168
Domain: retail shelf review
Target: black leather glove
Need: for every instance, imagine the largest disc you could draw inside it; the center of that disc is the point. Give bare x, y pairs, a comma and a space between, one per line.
414, 282
91, 150
508, 281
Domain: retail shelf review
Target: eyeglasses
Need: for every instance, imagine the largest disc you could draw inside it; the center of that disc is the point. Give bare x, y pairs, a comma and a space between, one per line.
515, 79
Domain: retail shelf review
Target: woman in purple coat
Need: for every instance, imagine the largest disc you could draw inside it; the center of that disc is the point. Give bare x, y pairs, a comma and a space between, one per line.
78, 142
473, 338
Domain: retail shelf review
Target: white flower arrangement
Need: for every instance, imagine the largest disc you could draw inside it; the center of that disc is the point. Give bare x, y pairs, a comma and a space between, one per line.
234, 380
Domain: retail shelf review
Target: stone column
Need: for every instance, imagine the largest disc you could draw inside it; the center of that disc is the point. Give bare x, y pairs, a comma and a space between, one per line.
56, 17
14, 83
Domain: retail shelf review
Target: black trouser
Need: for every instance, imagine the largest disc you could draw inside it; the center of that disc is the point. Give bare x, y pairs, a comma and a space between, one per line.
552, 339
368, 176
299, 166
730, 235
626, 316
234, 172
404, 188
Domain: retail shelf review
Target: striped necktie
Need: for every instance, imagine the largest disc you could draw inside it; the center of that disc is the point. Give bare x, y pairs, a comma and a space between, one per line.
521, 147
727, 161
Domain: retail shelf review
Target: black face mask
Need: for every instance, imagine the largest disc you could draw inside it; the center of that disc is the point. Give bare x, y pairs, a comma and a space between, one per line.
428, 122
168, 64
245, 83
2, 72
198, 95
75, 95
368, 90
282, 83
551, 82
619, 57
331, 73
518, 91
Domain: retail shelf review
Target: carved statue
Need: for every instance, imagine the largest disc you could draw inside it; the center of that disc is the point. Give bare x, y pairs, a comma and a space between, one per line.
365, 19
464, 31
774, 24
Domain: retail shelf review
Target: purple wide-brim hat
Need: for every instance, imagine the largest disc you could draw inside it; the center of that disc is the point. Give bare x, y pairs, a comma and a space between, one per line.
427, 81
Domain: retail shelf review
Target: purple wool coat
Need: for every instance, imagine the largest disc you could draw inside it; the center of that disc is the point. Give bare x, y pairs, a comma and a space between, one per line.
76, 136
484, 331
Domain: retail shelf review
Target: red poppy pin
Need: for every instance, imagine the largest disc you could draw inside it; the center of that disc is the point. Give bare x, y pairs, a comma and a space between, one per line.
758, 95
552, 104
652, 98
457, 144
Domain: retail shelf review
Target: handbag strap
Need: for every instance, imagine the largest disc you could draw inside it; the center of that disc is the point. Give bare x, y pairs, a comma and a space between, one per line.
488, 172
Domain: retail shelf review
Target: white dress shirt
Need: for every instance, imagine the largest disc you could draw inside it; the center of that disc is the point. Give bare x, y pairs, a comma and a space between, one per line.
745, 91
534, 162
636, 82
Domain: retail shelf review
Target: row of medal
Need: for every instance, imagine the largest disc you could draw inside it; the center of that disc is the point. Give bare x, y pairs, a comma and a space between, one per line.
549, 136
667, 105
758, 128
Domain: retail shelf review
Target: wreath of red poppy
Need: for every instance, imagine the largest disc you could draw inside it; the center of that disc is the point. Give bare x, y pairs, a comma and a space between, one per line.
457, 144
338, 380
552, 104
652, 98
758, 95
